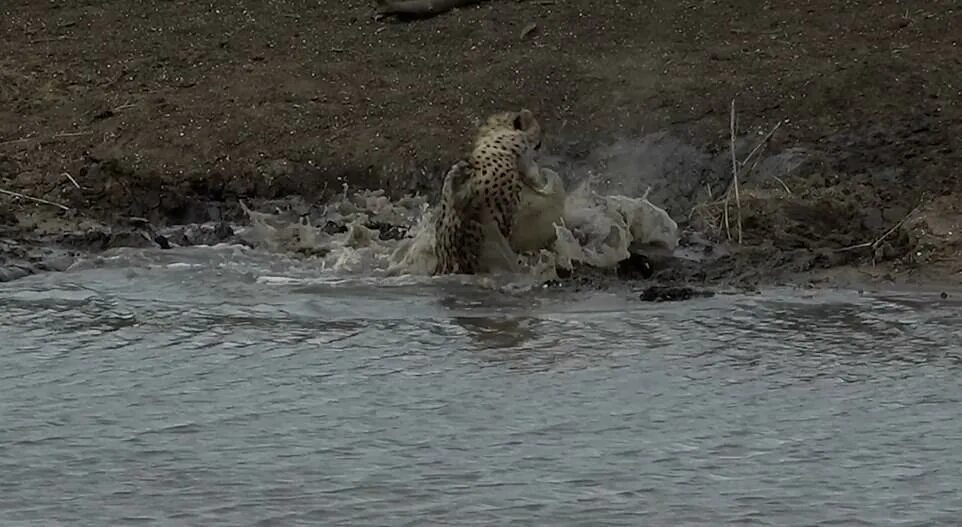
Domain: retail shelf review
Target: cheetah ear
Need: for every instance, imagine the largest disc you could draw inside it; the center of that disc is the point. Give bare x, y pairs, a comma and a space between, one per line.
524, 120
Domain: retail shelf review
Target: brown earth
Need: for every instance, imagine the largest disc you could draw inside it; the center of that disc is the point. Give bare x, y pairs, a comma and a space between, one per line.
172, 110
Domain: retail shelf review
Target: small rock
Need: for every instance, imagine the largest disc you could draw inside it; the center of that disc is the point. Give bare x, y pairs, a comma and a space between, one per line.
332, 227
387, 231
672, 293
162, 241
319, 252
635, 266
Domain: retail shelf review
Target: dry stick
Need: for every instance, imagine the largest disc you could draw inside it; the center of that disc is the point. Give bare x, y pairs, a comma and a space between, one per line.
727, 194
31, 198
72, 134
755, 164
738, 203
728, 229
776, 178
880, 239
761, 144
760, 147
36, 137
72, 180
15, 141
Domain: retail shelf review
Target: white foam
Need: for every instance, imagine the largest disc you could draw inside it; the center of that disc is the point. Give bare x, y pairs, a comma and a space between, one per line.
557, 229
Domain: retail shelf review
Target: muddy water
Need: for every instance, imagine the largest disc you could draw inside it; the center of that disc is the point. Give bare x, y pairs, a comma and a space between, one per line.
227, 387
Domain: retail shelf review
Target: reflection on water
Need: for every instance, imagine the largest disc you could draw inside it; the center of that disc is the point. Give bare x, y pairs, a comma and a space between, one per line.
205, 394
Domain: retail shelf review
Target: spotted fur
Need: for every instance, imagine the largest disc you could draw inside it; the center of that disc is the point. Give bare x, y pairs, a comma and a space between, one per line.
486, 188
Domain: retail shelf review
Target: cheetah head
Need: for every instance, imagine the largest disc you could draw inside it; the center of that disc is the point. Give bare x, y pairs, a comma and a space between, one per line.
521, 121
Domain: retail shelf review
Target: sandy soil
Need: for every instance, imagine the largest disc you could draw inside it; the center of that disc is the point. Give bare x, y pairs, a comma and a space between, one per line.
173, 110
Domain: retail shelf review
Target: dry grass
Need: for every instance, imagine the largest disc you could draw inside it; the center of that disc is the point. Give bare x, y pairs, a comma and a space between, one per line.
715, 214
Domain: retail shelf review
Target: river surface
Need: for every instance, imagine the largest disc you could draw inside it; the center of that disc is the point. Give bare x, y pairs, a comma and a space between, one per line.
221, 387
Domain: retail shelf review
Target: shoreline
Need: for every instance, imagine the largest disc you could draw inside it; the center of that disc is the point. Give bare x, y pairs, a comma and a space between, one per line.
63, 240
266, 106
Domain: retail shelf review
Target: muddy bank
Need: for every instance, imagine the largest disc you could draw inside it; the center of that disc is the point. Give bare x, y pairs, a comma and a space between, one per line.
801, 224
803, 215
177, 111
845, 213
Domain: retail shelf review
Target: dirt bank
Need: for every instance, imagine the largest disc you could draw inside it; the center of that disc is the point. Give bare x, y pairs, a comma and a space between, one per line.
172, 111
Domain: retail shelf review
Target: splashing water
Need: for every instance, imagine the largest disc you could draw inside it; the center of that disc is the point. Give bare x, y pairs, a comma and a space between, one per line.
584, 227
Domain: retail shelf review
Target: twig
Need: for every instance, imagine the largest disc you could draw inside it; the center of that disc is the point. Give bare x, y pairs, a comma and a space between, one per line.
52, 39
72, 134
57, 135
875, 245
728, 229
72, 180
776, 178
762, 143
15, 141
895, 227
31, 198
752, 168
759, 148
738, 203
724, 200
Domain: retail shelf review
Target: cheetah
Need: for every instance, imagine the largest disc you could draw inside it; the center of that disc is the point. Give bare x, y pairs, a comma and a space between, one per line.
485, 190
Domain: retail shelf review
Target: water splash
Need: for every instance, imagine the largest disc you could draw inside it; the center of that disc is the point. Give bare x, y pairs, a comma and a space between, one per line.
367, 234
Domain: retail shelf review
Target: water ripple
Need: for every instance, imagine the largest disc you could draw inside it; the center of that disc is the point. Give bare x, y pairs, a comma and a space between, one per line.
154, 401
